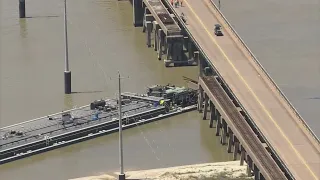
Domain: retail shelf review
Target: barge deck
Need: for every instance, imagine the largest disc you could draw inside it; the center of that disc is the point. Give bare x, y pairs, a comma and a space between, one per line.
99, 118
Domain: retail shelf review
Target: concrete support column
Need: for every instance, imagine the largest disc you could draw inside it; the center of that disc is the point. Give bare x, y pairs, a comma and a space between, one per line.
212, 114
200, 62
138, 12
200, 99
256, 172
205, 109
236, 147
146, 18
149, 31
218, 124
249, 166
22, 8
190, 50
230, 141
156, 37
223, 137
160, 42
242, 155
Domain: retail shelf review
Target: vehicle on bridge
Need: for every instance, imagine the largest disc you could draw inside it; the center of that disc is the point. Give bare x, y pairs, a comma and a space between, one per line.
217, 30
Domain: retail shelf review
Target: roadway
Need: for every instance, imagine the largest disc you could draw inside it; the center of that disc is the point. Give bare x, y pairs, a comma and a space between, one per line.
271, 113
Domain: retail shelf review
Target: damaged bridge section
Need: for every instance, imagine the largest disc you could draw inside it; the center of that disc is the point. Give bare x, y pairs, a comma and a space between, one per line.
162, 31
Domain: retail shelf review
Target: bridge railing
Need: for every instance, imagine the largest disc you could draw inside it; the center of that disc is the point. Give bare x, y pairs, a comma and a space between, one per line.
224, 82
266, 73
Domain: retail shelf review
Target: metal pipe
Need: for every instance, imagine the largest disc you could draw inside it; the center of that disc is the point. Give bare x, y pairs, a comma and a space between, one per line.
67, 72
121, 175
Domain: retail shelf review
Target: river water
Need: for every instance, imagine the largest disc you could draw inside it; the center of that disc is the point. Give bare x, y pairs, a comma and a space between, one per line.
102, 40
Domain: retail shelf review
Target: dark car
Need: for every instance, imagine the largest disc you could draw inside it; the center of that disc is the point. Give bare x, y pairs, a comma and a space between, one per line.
217, 30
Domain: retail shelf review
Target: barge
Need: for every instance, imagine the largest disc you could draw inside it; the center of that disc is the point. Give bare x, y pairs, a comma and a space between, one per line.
99, 118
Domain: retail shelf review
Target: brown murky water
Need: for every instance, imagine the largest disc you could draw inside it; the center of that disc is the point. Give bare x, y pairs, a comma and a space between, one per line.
102, 41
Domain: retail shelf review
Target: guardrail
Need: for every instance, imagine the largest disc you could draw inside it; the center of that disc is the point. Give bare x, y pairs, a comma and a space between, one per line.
266, 73
224, 82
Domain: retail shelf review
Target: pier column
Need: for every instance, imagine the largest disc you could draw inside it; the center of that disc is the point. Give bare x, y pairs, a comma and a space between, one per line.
242, 155
138, 12
146, 17
218, 124
160, 43
156, 37
230, 141
256, 172
249, 165
22, 8
200, 99
223, 138
212, 114
174, 50
262, 177
200, 62
190, 50
149, 31
236, 147
205, 109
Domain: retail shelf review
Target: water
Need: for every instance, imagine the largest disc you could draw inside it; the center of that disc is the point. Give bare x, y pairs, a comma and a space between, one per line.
102, 41
285, 37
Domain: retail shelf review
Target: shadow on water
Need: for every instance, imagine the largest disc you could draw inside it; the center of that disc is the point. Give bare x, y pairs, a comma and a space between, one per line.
85, 92
314, 98
30, 17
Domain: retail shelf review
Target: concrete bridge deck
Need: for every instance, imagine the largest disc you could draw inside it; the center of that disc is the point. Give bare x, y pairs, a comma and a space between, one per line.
274, 117
162, 15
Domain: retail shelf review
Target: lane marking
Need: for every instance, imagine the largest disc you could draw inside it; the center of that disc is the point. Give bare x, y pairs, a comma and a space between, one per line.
250, 89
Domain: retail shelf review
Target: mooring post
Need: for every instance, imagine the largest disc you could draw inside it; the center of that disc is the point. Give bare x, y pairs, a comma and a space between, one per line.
22, 8
67, 72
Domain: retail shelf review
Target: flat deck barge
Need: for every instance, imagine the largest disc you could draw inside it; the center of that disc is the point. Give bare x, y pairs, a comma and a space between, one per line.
99, 118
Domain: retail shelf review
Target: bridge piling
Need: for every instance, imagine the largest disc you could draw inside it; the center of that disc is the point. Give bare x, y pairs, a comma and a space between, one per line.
218, 124
156, 37
256, 172
174, 50
223, 137
249, 165
161, 43
22, 8
236, 147
230, 141
205, 109
242, 155
212, 114
200, 99
137, 13
149, 31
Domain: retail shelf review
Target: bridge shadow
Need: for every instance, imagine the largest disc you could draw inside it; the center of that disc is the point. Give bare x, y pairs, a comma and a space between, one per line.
314, 98
85, 92
53, 16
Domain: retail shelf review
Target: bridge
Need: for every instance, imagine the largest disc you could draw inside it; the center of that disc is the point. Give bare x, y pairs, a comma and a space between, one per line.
249, 111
